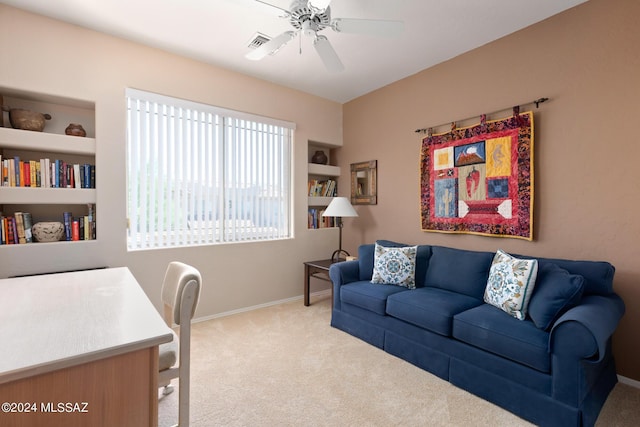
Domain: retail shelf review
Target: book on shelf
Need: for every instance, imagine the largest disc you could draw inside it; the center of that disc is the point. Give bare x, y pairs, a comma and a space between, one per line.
19, 227
25, 178
17, 169
75, 229
81, 231
312, 218
28, 223
12, 232
76, 173
3, 236
91, 222
67, 218
44, 173
87, 228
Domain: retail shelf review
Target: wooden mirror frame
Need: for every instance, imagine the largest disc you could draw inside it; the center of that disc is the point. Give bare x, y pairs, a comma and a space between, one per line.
364, 186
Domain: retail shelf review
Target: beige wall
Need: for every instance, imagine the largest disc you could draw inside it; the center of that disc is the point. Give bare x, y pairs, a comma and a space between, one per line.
587, 187
47, 56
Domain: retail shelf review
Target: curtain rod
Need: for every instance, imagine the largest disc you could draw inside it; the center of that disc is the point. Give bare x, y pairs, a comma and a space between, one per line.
516, 110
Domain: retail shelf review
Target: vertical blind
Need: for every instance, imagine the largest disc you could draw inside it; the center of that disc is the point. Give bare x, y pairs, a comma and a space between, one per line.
199, 174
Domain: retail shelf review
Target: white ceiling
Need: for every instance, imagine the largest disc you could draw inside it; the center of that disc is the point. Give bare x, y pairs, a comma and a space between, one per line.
218, 32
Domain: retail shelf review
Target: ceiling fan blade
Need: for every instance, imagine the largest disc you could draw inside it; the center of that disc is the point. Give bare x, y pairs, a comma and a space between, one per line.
327, 54
270, 46
368, 26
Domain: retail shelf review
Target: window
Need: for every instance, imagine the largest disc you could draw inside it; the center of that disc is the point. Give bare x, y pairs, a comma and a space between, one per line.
198, 174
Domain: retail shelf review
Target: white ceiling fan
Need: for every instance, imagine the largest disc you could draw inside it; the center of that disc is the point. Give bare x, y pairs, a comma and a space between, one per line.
309, 17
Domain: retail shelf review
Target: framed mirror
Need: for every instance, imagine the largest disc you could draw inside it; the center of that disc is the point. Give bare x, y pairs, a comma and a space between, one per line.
364, 188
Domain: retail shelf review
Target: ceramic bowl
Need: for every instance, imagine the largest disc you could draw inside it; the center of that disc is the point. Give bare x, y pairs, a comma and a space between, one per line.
47, 231
27, 120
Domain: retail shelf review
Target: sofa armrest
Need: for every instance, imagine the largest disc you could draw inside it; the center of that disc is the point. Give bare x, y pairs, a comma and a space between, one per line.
344, 272
586, 329
340, 274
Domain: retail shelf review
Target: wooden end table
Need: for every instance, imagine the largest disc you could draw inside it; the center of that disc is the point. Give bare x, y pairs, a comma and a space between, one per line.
318, 269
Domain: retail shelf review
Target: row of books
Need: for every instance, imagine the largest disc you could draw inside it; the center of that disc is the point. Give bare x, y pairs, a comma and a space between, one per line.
323, 188
316, 220
17, 228
46, 173
80, 228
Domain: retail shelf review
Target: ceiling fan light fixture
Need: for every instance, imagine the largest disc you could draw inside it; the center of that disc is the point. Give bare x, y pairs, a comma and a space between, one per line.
310, 28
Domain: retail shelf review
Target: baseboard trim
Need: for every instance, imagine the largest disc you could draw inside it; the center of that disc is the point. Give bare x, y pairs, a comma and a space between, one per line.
259, 306
629, 381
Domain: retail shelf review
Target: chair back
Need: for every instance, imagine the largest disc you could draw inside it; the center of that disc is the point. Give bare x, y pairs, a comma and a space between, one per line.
180, 295
180, 305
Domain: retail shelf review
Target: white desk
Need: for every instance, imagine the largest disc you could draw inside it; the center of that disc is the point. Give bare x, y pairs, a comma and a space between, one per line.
82, 337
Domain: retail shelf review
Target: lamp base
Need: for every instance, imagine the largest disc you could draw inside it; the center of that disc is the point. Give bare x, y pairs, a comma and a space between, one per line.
335, 257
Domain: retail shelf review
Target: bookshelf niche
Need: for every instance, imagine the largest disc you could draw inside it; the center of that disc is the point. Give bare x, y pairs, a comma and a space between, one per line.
322, 185
49, 175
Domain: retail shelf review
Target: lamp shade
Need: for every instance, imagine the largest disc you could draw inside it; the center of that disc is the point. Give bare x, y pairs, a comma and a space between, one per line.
340, 207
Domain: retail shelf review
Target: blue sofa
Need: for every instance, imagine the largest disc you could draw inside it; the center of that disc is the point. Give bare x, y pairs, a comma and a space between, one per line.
556, 372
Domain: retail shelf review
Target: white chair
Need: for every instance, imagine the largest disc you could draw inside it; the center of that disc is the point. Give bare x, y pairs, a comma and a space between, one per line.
180, 295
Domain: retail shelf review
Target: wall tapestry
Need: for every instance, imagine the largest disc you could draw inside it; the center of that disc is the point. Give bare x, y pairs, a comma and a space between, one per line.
479, 179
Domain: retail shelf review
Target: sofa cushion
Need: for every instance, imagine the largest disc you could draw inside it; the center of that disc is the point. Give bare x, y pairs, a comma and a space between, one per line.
458, 270
511, 283
395, 266
598, 275
368, 296
365, 260
429, 308
556, 291
491, 329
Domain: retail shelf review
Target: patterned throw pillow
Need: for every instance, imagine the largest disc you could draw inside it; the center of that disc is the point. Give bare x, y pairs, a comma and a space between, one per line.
511, 282
395, 266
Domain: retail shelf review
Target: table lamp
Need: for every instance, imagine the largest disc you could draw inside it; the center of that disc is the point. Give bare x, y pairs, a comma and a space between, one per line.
339, 207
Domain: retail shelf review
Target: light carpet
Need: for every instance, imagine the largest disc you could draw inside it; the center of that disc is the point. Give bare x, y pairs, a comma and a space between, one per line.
285, 365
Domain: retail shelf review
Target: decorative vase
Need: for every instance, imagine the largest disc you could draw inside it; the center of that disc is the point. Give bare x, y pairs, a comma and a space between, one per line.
75, 129
47, 231
319, 158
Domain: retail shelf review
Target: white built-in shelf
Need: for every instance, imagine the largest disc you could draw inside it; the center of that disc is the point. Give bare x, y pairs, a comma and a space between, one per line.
326, 170
46, 142
51, 196
319, 201
59, 245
